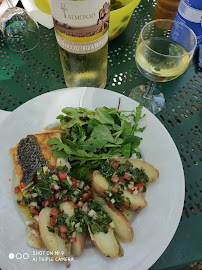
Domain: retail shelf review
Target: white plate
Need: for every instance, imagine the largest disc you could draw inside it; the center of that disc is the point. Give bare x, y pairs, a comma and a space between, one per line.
4, 6
154, 226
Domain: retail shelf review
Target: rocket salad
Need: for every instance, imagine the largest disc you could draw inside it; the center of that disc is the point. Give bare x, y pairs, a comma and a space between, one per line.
92, 136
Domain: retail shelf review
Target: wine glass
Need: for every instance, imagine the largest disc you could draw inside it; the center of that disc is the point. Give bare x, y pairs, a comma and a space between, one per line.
20, 31
163, 52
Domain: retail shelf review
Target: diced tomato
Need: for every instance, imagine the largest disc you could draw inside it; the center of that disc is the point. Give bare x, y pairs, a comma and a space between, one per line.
65, 198
126, 177
17, 189
115, 178
122, 180
73, 239
64, 191
52, 187
53, 221
80, 204
74, 182
110, 204
57, 195
121, 208
115, 190
54, 212
62, 176
52, 199
124, 168
34, 210
22, 185
139, 186
63, 229
22, 203
115, 164
63, 235
46, 203
86, 196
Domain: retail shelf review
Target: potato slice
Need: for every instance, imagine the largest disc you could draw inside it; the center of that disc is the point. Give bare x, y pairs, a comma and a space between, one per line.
100, 185
77, 247
106, 243
57, 246
123, 229
149, 169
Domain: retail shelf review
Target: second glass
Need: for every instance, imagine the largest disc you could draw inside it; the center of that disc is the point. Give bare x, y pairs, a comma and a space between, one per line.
161, 55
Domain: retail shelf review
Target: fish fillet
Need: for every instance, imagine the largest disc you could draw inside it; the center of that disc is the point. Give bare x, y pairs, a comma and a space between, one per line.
32, 152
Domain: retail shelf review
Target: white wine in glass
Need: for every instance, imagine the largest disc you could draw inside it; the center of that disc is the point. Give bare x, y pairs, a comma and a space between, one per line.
161, 57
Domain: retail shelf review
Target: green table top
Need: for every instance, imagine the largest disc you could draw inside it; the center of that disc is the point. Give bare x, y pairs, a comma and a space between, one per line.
27, 75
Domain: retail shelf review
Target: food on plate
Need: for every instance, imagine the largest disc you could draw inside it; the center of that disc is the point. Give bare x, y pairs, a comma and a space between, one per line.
78, 244
106, 243
122, 182
76, 181
34, 237
56, 245
150, 171
122, 227
115, 193
31, 153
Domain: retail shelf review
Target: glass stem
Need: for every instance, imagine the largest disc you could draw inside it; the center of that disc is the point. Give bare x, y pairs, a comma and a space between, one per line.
9, 3
149, 90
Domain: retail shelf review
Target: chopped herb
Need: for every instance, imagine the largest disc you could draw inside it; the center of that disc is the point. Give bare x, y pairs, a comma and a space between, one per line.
51, 229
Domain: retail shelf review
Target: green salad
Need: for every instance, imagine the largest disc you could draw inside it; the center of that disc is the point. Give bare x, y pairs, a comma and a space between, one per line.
91, 136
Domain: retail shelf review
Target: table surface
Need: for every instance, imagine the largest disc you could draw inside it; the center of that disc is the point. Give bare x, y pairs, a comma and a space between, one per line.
26, 75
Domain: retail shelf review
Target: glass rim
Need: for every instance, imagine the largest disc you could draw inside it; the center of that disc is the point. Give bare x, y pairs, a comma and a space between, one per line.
172, 21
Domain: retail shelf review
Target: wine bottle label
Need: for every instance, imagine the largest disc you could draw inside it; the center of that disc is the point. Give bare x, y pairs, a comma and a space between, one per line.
81, 26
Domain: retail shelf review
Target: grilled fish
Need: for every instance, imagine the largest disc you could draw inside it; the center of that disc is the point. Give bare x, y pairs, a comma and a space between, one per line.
33, 152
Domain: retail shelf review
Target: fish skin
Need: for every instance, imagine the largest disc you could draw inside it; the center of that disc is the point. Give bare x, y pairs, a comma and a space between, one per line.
44, 148
30, 157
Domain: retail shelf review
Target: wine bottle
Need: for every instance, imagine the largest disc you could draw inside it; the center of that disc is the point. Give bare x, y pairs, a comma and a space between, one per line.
81, 29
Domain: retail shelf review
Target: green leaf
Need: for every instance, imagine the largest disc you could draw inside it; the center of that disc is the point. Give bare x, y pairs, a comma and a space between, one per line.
103, 116
134, 140
126, 150
58, 154
92, 144
92, 124
58, 145
102, 132
72, 122
137, 116
70, 110
127, 128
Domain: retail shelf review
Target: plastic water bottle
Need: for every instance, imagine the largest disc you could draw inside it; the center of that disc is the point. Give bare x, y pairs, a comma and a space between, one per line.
190, 13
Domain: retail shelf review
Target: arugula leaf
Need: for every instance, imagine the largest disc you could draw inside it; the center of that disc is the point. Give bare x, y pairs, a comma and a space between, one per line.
102, 132
126, 150
92, 124
103, 116
137, 117
127, 128
58, 145
92, 144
